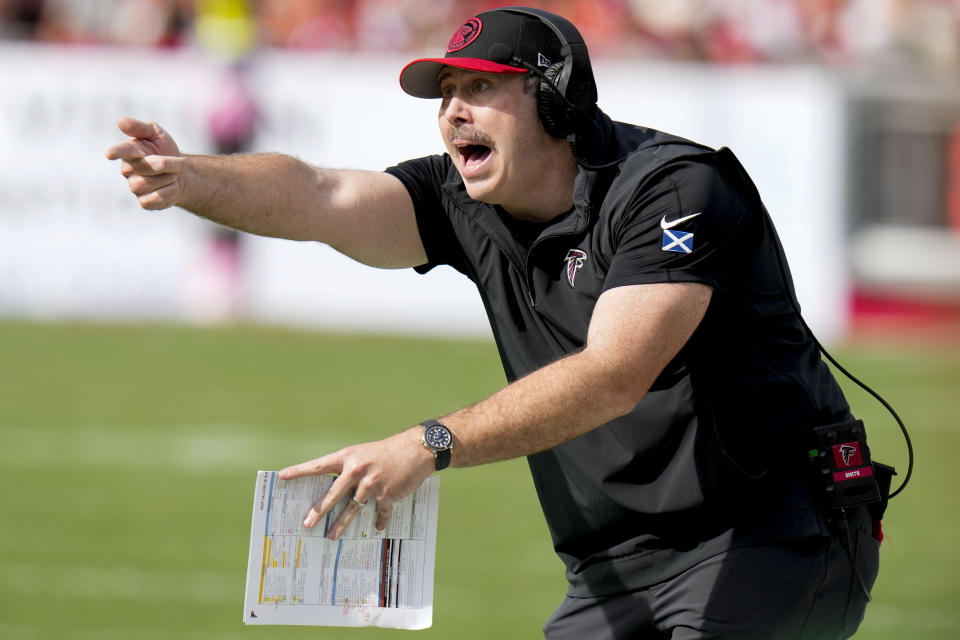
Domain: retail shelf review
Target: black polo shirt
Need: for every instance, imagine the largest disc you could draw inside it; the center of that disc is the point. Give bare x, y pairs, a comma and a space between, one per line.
708, 459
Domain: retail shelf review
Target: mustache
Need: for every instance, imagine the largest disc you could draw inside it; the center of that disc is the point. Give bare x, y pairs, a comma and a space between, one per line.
471, 135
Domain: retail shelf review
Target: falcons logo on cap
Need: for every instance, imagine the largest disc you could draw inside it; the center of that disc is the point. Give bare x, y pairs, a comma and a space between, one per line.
575, 259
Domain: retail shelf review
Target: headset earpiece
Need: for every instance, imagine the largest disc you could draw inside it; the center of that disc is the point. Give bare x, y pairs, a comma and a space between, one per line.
551, 104
570, 102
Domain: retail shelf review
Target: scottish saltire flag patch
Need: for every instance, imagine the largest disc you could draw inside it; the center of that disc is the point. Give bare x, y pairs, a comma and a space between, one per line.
677, 241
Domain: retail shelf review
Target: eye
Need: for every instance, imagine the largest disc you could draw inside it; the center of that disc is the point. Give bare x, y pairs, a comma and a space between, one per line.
480, 85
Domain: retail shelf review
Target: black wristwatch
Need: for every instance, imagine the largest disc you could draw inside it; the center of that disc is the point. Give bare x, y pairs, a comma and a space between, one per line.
437, 439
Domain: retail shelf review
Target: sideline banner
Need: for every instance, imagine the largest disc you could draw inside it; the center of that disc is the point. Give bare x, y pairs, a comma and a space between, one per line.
75, 244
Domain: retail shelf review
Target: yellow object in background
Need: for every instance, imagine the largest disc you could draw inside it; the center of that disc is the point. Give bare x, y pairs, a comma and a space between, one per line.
226, 27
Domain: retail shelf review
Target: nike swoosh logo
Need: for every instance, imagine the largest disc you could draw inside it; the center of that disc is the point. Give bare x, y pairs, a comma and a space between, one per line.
670, 225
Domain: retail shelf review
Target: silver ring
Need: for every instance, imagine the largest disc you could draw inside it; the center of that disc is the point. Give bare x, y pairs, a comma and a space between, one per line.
358, 503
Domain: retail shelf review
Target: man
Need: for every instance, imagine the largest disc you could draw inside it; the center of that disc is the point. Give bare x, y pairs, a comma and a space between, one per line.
661, 382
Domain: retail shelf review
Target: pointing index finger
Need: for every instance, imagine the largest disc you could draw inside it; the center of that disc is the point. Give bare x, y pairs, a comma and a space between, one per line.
127, 150
138, 128
145, 138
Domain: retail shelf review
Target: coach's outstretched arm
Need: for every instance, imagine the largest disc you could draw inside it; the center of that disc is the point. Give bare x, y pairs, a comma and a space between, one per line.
367, 215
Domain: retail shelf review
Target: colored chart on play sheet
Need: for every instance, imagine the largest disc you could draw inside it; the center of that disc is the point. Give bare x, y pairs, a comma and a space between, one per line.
366, 578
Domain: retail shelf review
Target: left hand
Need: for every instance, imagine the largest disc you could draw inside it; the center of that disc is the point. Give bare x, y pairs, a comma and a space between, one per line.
386, 471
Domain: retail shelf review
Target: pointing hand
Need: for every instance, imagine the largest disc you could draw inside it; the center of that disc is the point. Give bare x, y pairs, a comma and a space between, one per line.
151, 163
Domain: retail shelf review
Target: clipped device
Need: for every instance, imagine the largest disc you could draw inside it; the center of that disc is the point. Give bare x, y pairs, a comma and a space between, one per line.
841, 462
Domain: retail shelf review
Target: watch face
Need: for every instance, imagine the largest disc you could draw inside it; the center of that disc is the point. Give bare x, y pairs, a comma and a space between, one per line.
437, 437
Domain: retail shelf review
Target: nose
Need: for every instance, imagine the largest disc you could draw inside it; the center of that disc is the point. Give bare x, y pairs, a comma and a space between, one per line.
456, 111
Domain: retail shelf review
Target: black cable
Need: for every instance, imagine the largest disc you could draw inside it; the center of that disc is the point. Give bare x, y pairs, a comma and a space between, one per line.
599, 167
848, 547
795, 304
881, 400
781, 259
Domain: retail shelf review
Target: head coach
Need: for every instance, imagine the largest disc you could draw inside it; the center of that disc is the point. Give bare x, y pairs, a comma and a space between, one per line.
660, 379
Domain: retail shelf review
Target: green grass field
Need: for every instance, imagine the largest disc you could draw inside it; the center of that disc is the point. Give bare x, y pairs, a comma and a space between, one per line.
128, 456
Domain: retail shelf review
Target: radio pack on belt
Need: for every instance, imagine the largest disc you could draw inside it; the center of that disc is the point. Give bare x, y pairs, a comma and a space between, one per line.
841, 462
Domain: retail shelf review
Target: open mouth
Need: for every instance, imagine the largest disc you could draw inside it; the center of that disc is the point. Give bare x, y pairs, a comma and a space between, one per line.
473, 155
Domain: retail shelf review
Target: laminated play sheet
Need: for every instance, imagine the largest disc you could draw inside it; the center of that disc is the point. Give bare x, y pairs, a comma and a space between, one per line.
366, 578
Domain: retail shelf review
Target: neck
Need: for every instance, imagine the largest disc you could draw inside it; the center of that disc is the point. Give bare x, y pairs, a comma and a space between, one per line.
548, 197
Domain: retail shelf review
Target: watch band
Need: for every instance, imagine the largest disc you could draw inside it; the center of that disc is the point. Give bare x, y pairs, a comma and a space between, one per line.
441, 454
443, 459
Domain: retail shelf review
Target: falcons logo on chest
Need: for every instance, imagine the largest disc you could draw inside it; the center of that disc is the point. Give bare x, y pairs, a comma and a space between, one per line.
575, 260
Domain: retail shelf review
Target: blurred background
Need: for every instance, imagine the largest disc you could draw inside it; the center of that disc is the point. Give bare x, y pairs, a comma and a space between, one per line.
845, 111
151, 362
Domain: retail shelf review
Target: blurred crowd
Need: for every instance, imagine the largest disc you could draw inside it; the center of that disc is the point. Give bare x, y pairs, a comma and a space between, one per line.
911, 33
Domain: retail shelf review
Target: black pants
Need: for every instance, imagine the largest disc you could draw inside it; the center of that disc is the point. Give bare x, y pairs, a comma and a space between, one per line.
798, 590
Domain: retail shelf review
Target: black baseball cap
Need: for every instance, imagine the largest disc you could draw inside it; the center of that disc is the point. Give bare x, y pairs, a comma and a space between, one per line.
497, 41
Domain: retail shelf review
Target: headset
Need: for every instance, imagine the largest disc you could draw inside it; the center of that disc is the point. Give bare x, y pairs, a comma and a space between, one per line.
567, 95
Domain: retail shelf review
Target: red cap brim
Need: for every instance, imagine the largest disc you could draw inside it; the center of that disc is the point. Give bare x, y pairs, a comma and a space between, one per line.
419, 78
